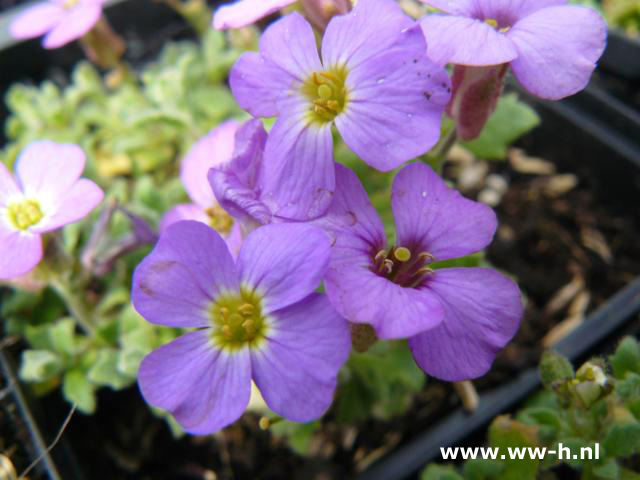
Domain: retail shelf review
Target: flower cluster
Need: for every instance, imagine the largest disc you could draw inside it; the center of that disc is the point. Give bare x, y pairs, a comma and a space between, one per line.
281, 258
379, 81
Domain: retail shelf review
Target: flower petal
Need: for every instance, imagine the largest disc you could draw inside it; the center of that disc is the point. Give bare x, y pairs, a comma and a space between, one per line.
46, 170
465, 41
284, 262
508, 12
36, 21
204, 389
297, 370
351, 217
8, 187
298, 172
395, 103
21, 251
455, 7
433, 217
236, 184
558, 48
212, 150
362, 296
482, 313
245, 12
188, 268
71, 206
184, 211
363, 33
268, 83
75, 23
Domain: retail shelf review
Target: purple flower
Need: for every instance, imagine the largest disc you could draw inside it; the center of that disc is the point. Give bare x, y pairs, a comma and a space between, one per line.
46, 194
214, 149
551, 47
238, 184
456, 319
375, 83
61, 20
246, 12
257, 319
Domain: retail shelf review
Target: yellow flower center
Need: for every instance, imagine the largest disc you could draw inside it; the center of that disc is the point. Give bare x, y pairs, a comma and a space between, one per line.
25, 214
219, 220
328, 94
67, 4
402, 267
238, 321
493, 23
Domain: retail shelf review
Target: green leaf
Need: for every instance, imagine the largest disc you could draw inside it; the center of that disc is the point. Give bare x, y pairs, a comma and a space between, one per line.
510, 121
609, 470
62, 335
554, 368
481, 469
626, 358
105, 371
298, 435
439, 472
622, 440
79, 390
39, 365
506, 434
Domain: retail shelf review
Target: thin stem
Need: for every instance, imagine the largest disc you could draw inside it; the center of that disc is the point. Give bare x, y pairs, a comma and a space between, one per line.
76, 305
437, 158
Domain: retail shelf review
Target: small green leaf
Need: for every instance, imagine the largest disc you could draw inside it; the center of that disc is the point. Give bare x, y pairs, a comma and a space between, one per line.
298, 435
77, 389
554, 368
439, 472
609, 470
622, 440
105, 371
39, 365
62, 335
626, 358
481, 469
510, 121
508, 435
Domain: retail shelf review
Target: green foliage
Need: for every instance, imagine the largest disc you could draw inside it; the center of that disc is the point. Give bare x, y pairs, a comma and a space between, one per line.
510, 121
607, 415
379, 382
83, 333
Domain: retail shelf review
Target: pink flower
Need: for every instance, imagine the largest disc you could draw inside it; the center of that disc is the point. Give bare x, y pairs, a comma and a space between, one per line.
46, 194
212, 150
61, 21
246, 12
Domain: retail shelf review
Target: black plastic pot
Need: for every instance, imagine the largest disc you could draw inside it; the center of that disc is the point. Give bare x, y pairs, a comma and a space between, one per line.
23, 433
622, 55
588, 129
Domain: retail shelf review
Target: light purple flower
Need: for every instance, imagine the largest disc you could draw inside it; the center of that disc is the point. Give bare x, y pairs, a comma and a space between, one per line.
46, 194
246, 12
551, 47
61, 21
257, 319
214, 149
238, 184
456, 319
374, 82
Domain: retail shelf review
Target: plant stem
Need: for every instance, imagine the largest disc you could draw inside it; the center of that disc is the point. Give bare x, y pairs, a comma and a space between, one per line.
76, 305
437, 158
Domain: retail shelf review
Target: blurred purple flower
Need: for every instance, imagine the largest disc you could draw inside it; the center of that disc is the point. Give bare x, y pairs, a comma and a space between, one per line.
246, 12
214, 149
456, 319
61, 21
257, 318
375, 83
551, 47
46, 194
